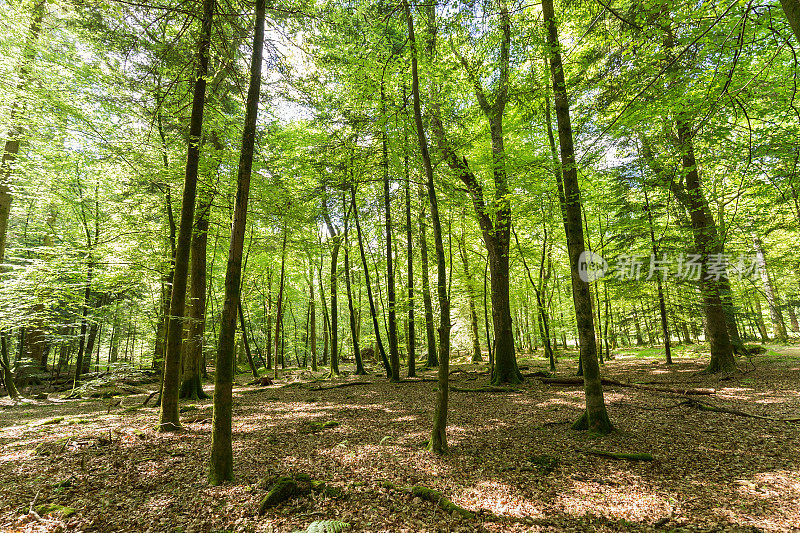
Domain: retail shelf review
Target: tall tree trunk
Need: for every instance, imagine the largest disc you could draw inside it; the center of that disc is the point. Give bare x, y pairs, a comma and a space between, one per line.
221, 460
351, 311
166, 282
192, 385
778, 325
394, 355
706, 242
280, 305
373, 313
412, 348
12, 144
470, 282
494, 220
595, 418
662, 307
438, 441
169, 419
312, 316
433, 359
337, 243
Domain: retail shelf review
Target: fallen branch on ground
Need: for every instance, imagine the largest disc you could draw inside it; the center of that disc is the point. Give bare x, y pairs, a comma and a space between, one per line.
150, 397
341, 385
625, 456
607, 381
703, 406
488, 388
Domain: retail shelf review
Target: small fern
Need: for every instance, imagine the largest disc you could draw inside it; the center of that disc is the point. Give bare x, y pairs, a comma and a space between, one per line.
326, 526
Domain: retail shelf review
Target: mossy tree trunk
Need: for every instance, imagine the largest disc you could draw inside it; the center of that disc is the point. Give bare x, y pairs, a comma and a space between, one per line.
192, 385
221, 460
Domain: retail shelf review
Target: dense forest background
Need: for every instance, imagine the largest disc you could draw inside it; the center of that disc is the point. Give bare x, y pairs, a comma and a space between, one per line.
211, 188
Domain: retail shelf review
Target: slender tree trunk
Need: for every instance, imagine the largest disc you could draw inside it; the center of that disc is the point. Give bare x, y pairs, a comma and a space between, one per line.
245, 340
659, 283
595, 419
169, 419
221, 460
433, 359
279, 306
373, 313
412, 349
192, 385
8, 376
473, 314
351, 311
778, 325
394, 355
312, 318
438, 442
337, 243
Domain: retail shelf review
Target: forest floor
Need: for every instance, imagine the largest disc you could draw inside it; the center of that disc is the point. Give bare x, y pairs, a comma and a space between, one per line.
711, 471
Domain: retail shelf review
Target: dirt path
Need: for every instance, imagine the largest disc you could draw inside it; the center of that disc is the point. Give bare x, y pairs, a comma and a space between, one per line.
712, 471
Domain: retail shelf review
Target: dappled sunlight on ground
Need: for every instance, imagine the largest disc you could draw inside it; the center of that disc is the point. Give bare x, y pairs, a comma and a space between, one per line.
713, 470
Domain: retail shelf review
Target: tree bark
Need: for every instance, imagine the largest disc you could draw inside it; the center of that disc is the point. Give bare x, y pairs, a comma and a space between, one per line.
12, 144
706, 241
792, 10
373, 313
169, 418
433, 359
394, 355
351, 311
778, 325
470, 282
221, 460
337, 243
595, 418
496, 229
192, 385
412, 348
438, 441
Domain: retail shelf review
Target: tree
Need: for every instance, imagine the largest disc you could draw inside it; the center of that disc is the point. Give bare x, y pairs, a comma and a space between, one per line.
169, 419
438, 441
221, 460
595, 418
